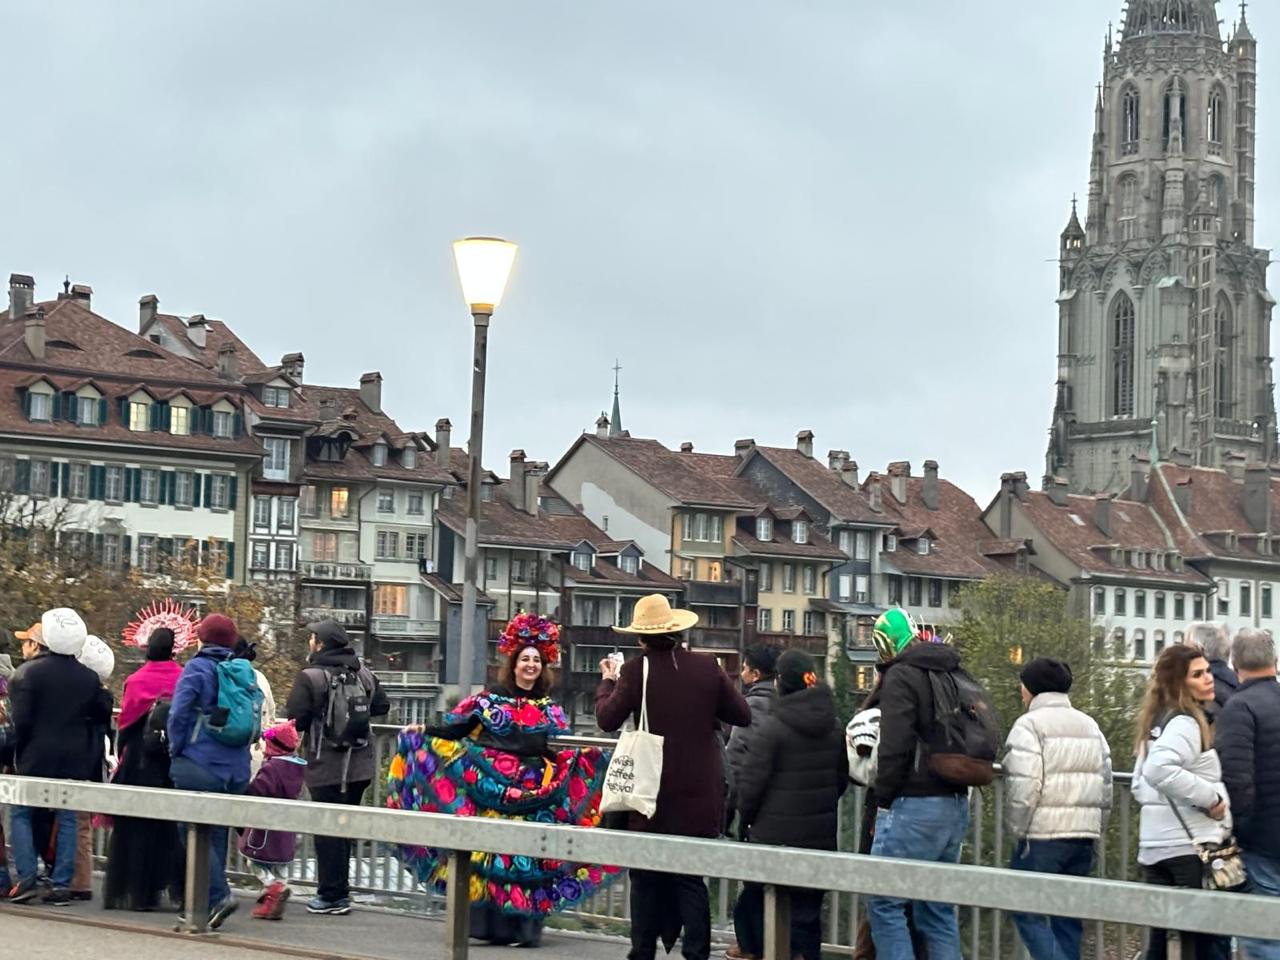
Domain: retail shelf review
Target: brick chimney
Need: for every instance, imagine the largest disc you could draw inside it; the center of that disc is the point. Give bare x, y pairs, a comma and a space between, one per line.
1013, 486
198, 330
291, 365
849, 474
804, 442
83, 293
148, 307
1257, 497
1057, 489
371, 391
227, 361
686, 447
929, 491
444, 429
742, 447
899, 474
22, 294
1020, 486
33, 332
533, 475
836, 459
1139, 478
1102, 514
602, 427
517, 479
875, 496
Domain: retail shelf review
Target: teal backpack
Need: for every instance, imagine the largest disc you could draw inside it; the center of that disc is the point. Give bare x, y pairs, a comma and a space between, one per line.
236, 719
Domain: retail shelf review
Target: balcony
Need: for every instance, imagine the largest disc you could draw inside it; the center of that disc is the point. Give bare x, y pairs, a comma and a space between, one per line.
715, 638
404, 627
701, 593
408, 679
332, 570
348, 618
815, 645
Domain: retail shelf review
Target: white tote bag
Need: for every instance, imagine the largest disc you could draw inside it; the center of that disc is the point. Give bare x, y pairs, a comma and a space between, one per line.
635, 771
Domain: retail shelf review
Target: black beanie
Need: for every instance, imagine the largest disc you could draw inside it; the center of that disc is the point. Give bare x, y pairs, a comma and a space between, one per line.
796, 671
160, 644
1046, 675
764, 659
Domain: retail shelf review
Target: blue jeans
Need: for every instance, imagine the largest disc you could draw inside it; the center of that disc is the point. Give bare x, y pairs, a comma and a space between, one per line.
24, 846
1052, 938
1264, 880
187, 775
918, 828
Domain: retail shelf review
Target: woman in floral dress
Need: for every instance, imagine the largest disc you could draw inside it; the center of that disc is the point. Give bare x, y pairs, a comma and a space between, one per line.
493, 757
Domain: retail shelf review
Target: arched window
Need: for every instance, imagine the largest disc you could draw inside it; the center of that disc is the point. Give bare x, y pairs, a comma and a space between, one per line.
1139, 644
1215, 121
1223, 336
1158, 642
1131, 121
1175, 104
1127, 189
1122, 319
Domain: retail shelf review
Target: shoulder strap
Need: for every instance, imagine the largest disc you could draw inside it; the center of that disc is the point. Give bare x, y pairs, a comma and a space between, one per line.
644, 696
1174, 807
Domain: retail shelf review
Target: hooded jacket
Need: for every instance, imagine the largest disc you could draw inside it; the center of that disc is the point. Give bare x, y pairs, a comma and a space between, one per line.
1247, 734
760, 696
59, 710
196, 695
1175, 768
306, 707
1057, 767
790, 788
906, 715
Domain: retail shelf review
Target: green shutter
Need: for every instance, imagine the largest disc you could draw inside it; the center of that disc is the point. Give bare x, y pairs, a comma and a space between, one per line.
153, 416
97, 482
57, 406
71, 406
123, 405
195, 490
26, 404
208, 491
237, 425
232, 484
66, 479
205, 421
231, 559
126, 552
132, 484
54, 475
22, 476
166, 417
102, 411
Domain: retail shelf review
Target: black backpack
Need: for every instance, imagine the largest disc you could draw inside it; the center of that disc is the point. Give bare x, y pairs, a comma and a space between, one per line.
345, 723
155, 735
964, 738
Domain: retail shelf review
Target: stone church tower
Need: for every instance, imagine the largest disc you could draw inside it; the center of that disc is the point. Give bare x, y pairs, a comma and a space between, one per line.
1164, 318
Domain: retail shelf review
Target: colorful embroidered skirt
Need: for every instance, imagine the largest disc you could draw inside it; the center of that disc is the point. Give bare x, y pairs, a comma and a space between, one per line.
462, 777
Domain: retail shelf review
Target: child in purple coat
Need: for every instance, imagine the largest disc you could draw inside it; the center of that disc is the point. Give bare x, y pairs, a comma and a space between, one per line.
270, 851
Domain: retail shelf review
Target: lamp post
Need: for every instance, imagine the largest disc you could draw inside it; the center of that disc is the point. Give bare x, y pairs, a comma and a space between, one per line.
484, 265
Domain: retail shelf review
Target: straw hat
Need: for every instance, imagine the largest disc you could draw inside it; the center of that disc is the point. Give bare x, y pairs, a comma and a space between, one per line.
653, 614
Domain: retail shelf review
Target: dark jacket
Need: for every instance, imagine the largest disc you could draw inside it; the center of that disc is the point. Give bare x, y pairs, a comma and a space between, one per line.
906, 715
760, 697
306, 706
1225, 682
1247, 736
689, 696
59, 710
279, 778
196, 696
798, 768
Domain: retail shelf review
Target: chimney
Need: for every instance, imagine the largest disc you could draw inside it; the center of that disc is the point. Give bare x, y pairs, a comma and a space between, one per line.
804, 442
328, 409
1056, 488
198, 330
742, 447
1008, 493
602, 427
836, 459
443, 429
849, 473
533, 475
930, 490
1182, 496
22, 293
1139, 477
148, 307
371, 391
1234, 464
874, 495
227, 361
517, 479
686, 447
82, 292
1102, 514
899, 474
1020, 486
291, 365
1257, 497
33, 332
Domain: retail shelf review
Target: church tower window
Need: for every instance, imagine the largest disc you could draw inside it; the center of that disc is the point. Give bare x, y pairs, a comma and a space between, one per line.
1222, 396
1175, 101
1122, 320
1131, 132
1127, 188
1215, 120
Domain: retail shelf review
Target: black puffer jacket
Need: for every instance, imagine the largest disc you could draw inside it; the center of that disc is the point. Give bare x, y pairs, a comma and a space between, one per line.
760, 698
795, 772
906, 714
1247, 735
59, 710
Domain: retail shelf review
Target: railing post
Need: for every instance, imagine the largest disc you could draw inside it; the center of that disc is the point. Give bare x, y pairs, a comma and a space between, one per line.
777, 923
457, 908
197, 886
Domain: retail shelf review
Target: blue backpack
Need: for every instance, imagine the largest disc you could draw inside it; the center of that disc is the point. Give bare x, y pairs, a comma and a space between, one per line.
236, 719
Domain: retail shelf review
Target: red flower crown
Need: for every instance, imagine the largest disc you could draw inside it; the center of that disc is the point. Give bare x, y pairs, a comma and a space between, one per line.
531, 630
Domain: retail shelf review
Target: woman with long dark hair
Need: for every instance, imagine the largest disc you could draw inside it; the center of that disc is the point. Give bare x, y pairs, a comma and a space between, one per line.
1178, 781
493, 757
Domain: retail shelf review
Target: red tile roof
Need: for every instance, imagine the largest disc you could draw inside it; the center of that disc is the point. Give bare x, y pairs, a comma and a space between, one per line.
683, 477
217, 334
1217, 505
845, 503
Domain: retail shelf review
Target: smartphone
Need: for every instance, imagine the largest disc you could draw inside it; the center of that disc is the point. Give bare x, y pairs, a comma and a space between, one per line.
617, 658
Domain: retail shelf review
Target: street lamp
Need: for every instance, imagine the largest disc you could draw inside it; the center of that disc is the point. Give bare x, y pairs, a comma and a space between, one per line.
484, 265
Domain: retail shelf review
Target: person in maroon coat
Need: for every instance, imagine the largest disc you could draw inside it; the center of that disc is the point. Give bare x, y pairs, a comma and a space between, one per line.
270, 852
689, 696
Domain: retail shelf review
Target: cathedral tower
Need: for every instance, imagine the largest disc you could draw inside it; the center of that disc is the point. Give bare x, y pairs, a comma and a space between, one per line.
1164, 342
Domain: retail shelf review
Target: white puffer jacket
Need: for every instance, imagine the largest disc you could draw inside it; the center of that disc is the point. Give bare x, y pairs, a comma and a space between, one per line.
1175, 767
1058, 772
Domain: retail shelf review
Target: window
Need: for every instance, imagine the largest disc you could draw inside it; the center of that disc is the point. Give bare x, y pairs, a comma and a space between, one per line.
1177, 637
699, 527
285, 510
39, 483
788, 621
150, 486
1139, 644
386, 501
846, 586
387, 545
811, 624
1139, 603
1213, 122
139, 416
935, 593
799, 531
630, 563
262, 512
490, 569
147, 558
1099, 602
915, 591
582, 559
1266, 601
895, 589
922, 546
862, 546
87, 411
1222, 393
324, 546
1197, 608
221, 424
219, 491
1121, 602
764, 529
40, 406
716, 525
183, 488
809, 578
686, 568
1159, 604
590, 609
1122, 317
1179, 607
261, 555
275, 465
1131, 121
788, 578
1127, 189
1175, 106
111, 552
520, 570
390, 600
890, 543
180, 421
844, 540
1246, 600
339, 502
953, 593
1118, 641
862, 589
415, 546
715, 573
379, 454
113, 488
416, 504
284, 556
308, 502
766, 576
275, 396
78, 482
1157, 643
764, 620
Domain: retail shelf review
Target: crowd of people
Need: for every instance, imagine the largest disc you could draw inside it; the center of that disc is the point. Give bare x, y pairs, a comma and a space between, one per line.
764, 760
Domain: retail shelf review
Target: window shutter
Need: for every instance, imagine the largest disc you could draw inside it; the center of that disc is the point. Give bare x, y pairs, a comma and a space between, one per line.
237, 425
164, 546
231, 559
208, 491
206, 420
22, 476
195, 490
97, 482
56, 404
26, 404
71, 406
132, 484
168, 480
165, 417
232, 483
123, 405
153, 416
126, 552
54, 474
97, 548
102, 411
66, 479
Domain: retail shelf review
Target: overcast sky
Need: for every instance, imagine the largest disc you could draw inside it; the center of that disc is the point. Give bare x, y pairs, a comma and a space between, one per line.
835, 215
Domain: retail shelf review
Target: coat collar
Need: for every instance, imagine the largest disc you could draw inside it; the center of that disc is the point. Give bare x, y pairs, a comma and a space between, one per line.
1042, 700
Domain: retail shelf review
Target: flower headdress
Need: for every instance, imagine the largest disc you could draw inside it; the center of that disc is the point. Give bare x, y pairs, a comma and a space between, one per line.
181, 620
531, 630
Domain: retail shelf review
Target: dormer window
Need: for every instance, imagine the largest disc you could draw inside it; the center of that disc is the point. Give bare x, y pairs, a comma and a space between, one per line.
379, 454
890, 543
409, 458
179, 420
139, 416
221, 424
486, 492
582, 560
630, 563
275, 396
40, 406
764, 529
799, 531
922, 546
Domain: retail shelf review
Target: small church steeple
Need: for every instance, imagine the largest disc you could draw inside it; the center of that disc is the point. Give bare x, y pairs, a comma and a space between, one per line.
615, 421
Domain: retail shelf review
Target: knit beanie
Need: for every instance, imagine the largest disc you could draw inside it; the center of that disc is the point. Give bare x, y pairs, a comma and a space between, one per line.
796, 671
160, 644
1046, 675
216, 630
281, 739
764, 659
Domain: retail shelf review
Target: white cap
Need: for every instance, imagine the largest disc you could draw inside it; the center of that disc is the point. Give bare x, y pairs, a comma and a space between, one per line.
98, 657
62, 631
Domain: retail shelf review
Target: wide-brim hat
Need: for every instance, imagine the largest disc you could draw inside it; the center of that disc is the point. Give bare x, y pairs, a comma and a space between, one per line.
654, 614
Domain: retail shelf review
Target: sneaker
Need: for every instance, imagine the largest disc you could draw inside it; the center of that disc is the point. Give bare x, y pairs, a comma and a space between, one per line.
335, 908
219, 914
23, 891
57, 897
84, 896
735, 952
277, 902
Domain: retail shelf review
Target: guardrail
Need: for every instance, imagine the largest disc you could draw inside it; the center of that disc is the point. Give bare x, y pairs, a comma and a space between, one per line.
777, 868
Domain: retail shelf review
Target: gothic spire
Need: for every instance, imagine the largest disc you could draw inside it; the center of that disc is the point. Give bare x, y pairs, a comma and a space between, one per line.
1151, 18
615, 421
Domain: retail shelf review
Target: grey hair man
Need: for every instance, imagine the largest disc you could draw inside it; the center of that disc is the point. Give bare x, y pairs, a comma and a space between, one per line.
1215, 641
1247, 735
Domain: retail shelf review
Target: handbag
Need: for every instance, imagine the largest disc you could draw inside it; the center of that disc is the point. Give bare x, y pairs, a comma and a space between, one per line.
1222, 864
634, 774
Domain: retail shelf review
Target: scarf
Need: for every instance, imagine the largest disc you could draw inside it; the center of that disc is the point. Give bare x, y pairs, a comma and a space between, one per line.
155, 679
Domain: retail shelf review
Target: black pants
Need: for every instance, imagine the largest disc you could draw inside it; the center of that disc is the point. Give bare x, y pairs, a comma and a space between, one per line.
806, 921
333, 854
662, 903
1183, 872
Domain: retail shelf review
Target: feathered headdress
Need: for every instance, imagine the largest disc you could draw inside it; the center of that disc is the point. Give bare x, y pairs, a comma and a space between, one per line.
167, 613
531, 630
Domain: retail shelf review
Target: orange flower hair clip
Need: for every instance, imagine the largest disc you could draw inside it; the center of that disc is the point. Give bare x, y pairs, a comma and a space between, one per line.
810, 679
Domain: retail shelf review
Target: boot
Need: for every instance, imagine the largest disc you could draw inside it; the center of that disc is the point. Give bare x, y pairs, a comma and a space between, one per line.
277, 897
265, 902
